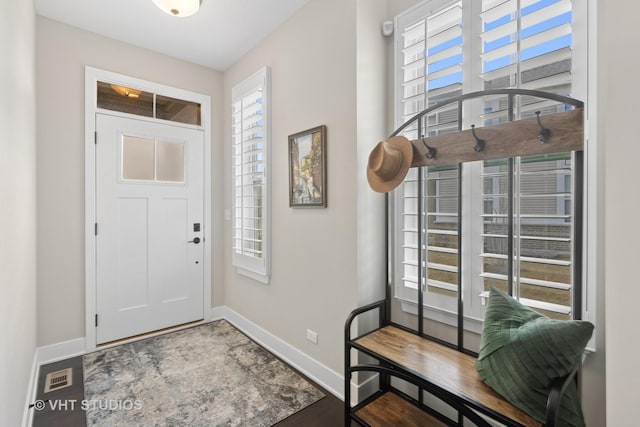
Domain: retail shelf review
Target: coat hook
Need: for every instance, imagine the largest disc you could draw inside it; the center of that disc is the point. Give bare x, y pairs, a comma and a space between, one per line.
544, 134
431, 152
479, 142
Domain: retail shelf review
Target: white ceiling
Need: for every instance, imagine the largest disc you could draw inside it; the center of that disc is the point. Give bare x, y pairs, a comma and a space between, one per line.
216, 37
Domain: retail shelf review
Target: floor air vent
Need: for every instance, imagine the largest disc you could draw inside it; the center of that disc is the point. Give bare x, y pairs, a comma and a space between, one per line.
58, 379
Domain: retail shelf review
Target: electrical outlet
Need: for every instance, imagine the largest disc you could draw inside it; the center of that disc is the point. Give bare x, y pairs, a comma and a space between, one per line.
312, 336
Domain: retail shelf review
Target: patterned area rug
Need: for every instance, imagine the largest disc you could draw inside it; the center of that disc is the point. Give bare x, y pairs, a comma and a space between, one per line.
209, 375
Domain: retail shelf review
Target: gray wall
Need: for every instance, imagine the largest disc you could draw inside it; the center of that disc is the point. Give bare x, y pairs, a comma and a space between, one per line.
314, 251
371, 90
62, 53
18, 211
617, 120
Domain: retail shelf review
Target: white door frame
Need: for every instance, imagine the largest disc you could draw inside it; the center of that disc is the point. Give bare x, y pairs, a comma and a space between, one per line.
92, 76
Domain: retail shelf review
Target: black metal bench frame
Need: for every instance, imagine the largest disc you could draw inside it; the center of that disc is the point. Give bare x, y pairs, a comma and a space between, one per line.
466, 407
386, 369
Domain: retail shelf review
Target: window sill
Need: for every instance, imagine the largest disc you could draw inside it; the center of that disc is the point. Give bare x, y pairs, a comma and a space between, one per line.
259, 277
440, 315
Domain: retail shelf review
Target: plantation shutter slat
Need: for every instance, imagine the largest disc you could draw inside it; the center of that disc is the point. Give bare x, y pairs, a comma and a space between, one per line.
499, 31
493, 10
444, 32
445, 72
497, 53
552, 57
444, 54
546, 13
545, 36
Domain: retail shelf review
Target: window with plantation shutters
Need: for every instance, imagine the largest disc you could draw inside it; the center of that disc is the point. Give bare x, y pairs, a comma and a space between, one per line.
444, 49
250, 176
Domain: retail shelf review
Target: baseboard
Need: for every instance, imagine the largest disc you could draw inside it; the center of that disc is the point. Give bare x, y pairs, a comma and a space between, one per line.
60, 351
217, 313
327, 378
366, 388
27, 418
43, 355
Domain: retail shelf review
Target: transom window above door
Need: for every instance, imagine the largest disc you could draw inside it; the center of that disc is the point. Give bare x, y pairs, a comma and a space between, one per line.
147, 104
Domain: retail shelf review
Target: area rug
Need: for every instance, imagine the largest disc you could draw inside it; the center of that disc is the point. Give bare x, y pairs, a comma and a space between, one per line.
209, 375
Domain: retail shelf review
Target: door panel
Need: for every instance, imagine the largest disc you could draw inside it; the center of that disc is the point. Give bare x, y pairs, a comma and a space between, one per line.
173, 263
150, 183
133, 253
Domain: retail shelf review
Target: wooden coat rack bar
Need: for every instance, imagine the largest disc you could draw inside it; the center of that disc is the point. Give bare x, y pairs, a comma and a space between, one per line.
502, 140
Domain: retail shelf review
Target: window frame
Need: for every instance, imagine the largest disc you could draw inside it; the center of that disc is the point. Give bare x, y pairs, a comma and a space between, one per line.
258, 269
407, 297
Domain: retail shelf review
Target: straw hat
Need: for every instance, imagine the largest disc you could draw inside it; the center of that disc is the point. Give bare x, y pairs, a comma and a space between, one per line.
389, 163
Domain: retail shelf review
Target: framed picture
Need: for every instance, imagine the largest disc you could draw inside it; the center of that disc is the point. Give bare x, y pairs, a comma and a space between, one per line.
308, 168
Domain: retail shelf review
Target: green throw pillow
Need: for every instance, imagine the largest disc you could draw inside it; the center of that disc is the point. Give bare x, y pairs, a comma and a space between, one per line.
522, 352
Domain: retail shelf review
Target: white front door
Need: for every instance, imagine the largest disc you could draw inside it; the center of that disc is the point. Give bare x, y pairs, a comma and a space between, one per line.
150, 226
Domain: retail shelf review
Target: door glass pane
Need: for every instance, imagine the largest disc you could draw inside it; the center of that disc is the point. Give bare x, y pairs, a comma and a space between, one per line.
177, 110
125, 99
170, 161
137, 158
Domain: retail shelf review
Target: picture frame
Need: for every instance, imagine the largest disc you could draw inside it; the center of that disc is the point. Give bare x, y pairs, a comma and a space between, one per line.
308, 168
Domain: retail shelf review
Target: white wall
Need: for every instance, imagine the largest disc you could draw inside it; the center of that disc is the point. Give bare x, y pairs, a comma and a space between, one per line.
62, 53
618, 109
18, 211
314, 251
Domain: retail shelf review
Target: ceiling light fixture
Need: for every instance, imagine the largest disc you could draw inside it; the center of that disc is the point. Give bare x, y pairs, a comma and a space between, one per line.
181, 8
125, 91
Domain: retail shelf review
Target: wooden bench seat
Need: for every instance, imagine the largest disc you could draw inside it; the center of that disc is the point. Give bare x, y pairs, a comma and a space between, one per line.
444, 367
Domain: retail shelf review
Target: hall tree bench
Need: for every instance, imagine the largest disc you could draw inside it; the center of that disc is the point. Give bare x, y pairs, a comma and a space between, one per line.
437, 371
435, 368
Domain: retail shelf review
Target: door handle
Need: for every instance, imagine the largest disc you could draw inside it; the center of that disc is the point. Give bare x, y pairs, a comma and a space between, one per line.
195, 240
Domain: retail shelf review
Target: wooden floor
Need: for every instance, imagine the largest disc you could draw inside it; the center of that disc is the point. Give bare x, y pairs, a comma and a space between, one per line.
62, 407
327, 412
